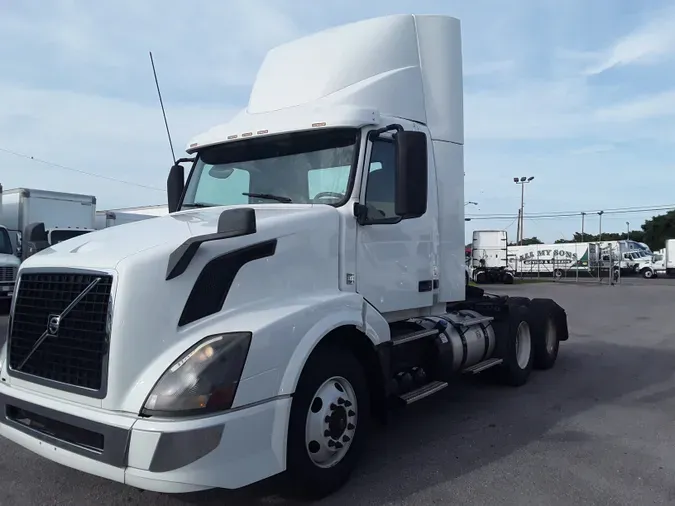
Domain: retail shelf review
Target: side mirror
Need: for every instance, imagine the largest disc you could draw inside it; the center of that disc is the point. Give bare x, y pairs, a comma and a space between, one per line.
175, 184
411, 174
34, 239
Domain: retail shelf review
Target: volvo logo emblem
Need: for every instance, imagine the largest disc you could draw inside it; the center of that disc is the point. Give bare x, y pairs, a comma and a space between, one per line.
53, 324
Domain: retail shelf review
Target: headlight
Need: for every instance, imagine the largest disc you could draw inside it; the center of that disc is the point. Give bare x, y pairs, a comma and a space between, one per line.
203, 380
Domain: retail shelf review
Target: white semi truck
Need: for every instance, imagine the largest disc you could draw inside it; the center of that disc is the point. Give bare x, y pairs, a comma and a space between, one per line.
489, 262
310, 276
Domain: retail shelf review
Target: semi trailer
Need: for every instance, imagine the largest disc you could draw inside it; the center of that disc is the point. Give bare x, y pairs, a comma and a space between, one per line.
308, 279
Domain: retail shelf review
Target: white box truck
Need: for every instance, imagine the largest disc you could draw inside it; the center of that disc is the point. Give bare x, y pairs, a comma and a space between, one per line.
489, 262
9, 261
309, 276
64, 215
662, 262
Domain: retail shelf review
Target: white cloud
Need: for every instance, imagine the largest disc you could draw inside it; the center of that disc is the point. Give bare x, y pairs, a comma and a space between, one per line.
650, 43
489, 68
593, 149
81, 92
642, 108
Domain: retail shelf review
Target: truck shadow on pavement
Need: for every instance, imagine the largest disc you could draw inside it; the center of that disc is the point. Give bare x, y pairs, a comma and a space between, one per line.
473, 424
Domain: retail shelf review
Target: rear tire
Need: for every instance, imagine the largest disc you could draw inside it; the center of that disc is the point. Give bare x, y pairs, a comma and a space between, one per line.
516, 347
331, 405
547, 332
508, 278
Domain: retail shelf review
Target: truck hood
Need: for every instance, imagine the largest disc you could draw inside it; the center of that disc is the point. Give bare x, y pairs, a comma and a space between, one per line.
8, 260
145, 335
105, 249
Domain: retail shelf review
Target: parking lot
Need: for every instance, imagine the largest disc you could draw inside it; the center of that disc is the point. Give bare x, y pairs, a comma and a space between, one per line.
597, 429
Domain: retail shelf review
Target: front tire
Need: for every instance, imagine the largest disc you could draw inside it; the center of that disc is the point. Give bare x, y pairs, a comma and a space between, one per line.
328, 426
647, 273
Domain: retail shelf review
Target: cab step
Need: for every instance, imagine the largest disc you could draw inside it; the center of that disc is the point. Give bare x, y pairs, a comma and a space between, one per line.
481, 366
422, 392
413, 336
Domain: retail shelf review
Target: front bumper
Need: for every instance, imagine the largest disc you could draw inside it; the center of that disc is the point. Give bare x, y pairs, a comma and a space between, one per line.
229, 450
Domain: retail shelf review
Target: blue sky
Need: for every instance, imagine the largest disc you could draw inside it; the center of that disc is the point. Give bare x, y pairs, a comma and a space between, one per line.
578, 93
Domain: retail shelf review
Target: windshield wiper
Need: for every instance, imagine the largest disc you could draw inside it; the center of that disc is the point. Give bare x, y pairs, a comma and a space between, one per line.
197, 204
269, 196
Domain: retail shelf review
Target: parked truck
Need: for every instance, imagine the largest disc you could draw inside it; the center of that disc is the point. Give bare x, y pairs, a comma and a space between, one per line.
308, 278
65, 215
489, 263
9, 262
662, 262
114, 217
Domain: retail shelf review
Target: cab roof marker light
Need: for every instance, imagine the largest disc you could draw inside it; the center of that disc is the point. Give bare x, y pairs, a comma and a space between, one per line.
194, 145
262, 132
230, 137
317, 125
247, 134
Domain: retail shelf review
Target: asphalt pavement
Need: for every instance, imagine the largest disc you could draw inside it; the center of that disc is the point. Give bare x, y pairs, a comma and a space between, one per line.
598, 429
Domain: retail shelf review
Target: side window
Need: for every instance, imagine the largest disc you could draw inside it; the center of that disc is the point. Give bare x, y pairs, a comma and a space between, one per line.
213, 189
380, 189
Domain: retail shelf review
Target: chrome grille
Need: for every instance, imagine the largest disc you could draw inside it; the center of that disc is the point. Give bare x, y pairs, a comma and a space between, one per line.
8, 274
76, 354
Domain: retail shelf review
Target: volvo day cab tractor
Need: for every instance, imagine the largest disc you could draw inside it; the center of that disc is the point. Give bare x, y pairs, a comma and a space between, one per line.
308, 278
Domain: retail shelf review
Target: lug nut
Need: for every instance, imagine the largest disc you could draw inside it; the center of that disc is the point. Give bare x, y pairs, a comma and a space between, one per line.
346, 439
348, 404
341, 401
351, 413
338, 445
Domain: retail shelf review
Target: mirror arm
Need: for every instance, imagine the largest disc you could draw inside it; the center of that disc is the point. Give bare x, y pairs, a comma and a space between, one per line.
374, 134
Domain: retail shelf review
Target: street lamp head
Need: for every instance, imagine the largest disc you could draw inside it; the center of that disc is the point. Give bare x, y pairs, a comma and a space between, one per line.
600, 213
530, 178
515, 179
522, 179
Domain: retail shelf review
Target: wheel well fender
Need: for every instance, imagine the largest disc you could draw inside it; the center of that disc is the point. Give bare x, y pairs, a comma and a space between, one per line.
347, 332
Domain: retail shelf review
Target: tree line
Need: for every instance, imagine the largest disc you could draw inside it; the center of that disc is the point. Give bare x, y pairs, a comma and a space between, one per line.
653, 232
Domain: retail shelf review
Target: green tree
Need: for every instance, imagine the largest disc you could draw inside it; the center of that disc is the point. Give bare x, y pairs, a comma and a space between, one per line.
658, 230
527, 241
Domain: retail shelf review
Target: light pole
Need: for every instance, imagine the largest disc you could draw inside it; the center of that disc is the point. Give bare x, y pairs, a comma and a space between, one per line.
583, 219
470, 202
628, 231
600, 213
522, 181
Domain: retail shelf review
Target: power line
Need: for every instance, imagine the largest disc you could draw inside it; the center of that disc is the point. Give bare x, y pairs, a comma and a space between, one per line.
574, 214
79, 171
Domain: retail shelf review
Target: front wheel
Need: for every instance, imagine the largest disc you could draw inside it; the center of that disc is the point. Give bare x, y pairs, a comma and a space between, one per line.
647, 273
329, 422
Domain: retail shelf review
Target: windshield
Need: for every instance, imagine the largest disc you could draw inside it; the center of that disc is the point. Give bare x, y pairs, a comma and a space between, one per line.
301, 168
5, 243
57, 236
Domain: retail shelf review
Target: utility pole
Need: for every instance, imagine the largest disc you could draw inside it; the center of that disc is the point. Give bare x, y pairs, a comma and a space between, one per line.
522, 181
583, 219
600, 213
